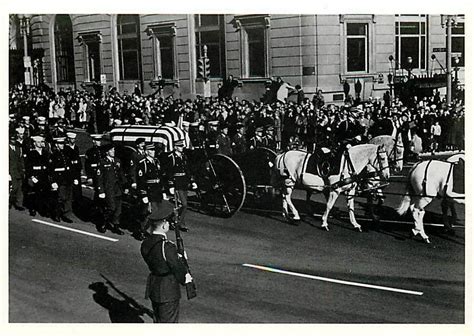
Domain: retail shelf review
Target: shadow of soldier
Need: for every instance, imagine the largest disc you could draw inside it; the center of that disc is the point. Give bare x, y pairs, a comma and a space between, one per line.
120, 311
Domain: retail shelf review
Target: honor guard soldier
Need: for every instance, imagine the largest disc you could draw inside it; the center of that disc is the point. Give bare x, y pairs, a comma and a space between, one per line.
61, 182
223, 141
72, 150
269, 139
36, 174
149, 186
211, 139
93, 156
178, 179
239, 144
167, 269
257, 140
136, 156
16, 173
196, 136
43, 129
111, 184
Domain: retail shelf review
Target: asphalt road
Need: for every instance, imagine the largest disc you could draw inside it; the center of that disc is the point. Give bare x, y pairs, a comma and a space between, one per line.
333, 275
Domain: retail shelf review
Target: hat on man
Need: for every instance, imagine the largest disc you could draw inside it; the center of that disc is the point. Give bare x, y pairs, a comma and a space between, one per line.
139, 141
213, 123
71, 135
117, 122
170, 124
138, 120
179, 142
37, 138
160, 210
194, 124
59, 140
239, 125
259, 129
186, 123
96, 137
150, 146
20, 130
41, 121
26, 118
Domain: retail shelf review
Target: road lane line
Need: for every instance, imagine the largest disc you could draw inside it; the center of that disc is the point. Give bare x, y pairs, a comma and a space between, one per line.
74, 230
342, 282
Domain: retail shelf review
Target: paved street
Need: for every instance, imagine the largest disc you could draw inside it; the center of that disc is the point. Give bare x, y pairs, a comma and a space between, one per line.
335, 276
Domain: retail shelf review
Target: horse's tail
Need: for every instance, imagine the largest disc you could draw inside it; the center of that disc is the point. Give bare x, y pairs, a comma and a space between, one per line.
406, 200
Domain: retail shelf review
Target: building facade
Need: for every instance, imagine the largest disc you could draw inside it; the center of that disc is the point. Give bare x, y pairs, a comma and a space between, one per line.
318, 52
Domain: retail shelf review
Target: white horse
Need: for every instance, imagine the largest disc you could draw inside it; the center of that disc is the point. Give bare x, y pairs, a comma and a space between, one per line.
291, 168
393, 145
427, 180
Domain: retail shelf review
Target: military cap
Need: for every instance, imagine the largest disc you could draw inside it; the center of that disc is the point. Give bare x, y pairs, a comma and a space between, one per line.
41, 120
139, 141
26, 118
71, 135
96, 137
194, 124
259, 129
160, 210
239, 125
37, 138
20, 130
179, 142
270, 128
117, 122
150, 146
213, 123
186, 123
59, 140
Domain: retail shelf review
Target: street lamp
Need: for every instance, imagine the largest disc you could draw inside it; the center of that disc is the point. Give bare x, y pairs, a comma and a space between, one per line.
25, 32
456, 69
410, 66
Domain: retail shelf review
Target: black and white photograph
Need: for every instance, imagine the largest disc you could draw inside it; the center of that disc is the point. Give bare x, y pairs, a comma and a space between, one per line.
237, 167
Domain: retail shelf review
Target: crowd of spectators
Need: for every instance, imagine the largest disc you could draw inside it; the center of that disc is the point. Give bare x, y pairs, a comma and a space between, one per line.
295, 120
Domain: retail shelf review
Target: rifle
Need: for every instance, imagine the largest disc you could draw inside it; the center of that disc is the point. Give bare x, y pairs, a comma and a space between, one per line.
128, 299
190, 286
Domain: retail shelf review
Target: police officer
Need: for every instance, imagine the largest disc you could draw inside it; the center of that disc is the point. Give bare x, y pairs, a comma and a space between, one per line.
149, 186
72, 151
178, 179
111, 184
36, 175
239, 143
257, 140
167, 270
16, 173
61, 182
223, 141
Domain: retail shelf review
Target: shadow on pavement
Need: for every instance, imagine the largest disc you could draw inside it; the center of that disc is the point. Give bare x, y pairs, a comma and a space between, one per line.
120, 311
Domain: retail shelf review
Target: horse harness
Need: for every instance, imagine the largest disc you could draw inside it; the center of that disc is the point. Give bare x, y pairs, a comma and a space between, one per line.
445, 187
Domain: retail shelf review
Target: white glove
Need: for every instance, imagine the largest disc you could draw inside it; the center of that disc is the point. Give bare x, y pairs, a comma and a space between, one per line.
89, 181
188, 278
145, 200
76, 182
270, 164
34, 179
54, 186
194, 186
102, 195
358, 138
172, 191
125, 191
134, 186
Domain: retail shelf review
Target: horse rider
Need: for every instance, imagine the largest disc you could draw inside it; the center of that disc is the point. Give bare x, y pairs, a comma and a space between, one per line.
149, 187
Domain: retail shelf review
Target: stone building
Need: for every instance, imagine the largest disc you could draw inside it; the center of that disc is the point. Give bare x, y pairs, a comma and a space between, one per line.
318, 52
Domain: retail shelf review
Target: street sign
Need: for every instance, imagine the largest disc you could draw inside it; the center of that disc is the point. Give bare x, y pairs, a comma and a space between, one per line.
456, 54
27, 61
103, 79
439, 49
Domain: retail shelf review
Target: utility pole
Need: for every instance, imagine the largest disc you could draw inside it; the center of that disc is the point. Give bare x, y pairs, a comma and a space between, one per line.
449, 21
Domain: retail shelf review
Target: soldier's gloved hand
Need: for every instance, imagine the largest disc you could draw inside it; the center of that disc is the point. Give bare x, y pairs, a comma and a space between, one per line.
126, 191
194, 186
172, 191
54, 186
134, 186
76, 181
188, 278
358, 138
145, 200
89, 181
102, 195
34, 179
184, 255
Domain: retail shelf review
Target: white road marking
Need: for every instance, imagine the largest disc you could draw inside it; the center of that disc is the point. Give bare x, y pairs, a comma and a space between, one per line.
342, 282
74, 230
399, 221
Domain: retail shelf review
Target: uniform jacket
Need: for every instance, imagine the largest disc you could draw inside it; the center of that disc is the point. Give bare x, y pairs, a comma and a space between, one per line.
15, 163
110, 178
177, 171
60, 168
167, 271
149, 179
93, 157
37, 165
223, 142
76, 163
239, 144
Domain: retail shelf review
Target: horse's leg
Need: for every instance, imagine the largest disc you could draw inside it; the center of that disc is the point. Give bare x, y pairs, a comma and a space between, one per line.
296, 215
330, 203
284, 205
445, 206
418, 213
350, 207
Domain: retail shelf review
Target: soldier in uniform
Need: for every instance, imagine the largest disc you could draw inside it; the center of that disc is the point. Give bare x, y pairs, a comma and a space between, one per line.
269, 138
17, 173
61, 182
36, 174
167, 270
136, 157
257, 140
223, 141
178, 179
211, 139
93, 156
149, 186
239, 143
111, 184
72, 151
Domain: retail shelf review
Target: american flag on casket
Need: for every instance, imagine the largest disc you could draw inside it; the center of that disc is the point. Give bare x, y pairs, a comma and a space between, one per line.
165, 135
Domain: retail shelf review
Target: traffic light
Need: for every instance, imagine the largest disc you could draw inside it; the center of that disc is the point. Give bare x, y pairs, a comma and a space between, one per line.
204, 68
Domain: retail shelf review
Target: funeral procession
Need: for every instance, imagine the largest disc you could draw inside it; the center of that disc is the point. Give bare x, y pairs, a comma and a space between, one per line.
237, 168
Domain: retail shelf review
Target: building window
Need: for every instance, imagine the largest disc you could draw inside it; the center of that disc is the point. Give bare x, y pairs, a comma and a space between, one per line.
411, 41
64, 50
210, 32
254, 45
357, 55
128, 36
164, 52
91, 43
457, 42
